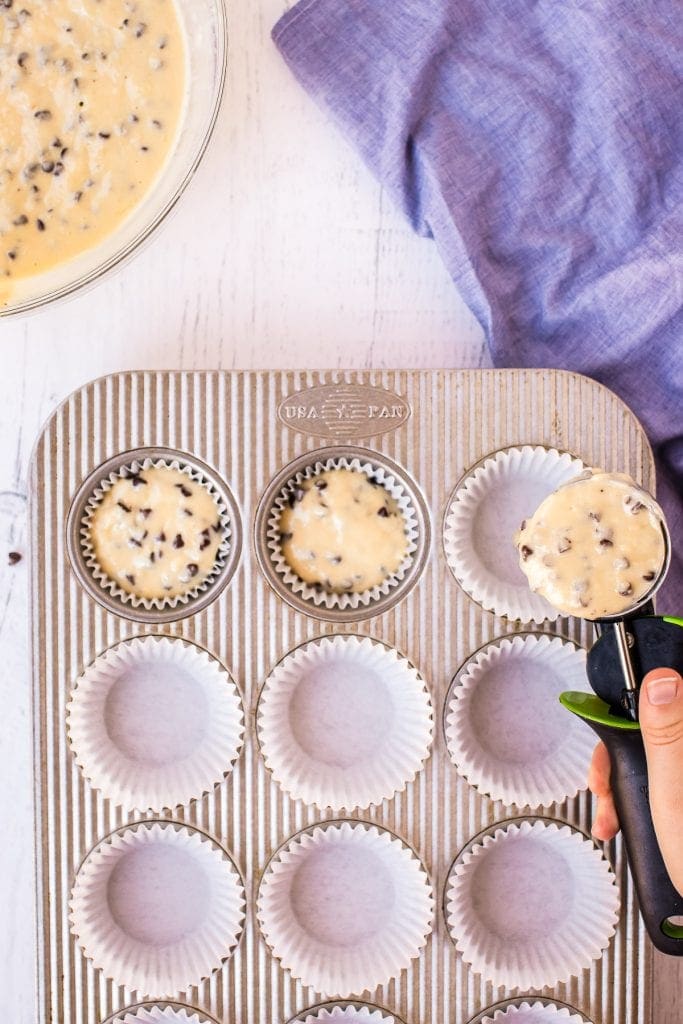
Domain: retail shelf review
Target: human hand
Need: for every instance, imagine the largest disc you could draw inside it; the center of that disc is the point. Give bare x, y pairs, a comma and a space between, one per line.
661, 724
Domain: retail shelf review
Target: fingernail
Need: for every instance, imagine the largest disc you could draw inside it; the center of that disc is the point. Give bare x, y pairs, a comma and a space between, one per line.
662, 689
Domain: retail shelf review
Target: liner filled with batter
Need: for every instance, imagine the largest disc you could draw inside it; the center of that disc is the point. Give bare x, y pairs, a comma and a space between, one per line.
350, 570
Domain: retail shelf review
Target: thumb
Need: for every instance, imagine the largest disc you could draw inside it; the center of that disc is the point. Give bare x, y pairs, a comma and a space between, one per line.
661, 723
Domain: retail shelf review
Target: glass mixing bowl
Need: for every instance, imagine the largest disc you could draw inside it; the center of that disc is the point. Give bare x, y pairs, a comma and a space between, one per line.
206, 31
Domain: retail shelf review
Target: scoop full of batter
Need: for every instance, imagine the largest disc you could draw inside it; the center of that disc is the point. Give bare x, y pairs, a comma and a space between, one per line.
594, 547
342, 530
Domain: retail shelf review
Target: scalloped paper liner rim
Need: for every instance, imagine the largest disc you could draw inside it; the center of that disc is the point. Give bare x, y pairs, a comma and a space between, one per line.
184, 465
351, 792
90, 756
529, 968
274, 922
546, 1013
104, 944
517, 603
515, 790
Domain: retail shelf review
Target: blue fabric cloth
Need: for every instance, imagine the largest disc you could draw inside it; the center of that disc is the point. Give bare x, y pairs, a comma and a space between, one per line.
539, 143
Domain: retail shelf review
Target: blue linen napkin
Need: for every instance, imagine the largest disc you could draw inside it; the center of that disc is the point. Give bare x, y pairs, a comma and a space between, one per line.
539, 143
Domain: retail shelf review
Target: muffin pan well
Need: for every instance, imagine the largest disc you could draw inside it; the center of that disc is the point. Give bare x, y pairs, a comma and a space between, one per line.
249, 435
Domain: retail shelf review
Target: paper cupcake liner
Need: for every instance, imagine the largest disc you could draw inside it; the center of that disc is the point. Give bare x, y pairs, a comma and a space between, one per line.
344, 722
157, 908
159, 1015
507, 733
345, 908
484, 515
531, 905
320, 597
347, 1015
106, 582
155, 722
534, 1013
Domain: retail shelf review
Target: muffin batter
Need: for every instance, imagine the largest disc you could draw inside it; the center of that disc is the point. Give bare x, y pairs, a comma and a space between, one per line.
156, 533
91, 96
595, 546
343, 532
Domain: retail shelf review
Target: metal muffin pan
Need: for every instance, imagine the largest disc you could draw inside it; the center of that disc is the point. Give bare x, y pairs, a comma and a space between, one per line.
247, 429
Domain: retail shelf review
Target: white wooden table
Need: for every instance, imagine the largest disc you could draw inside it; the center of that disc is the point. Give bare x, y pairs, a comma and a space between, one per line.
283, 253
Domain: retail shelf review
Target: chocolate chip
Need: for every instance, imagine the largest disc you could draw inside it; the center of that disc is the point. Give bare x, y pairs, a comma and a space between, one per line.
605, 542
625, 589
20, 220
22, 58
383, 512
104, 135
284, 537
145, 512
140, 30
134, 542
130, 578
217, 528
321, 484
185, 491
6, 4
188, 512
161, 538
526, 551
563, 545
335, 559
40, 224
137, 479
178, 541
296, 495
122, 504
152, 557
649, 576
13, 557
192, 568
43, 115
48, 166
596, 516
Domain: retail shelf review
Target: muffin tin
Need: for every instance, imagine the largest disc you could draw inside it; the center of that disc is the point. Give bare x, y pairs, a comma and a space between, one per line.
250, 433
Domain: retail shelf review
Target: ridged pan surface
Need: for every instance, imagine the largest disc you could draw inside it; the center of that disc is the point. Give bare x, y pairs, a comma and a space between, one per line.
247, 426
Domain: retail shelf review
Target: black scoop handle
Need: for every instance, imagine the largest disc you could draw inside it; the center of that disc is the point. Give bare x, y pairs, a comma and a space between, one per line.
659, 900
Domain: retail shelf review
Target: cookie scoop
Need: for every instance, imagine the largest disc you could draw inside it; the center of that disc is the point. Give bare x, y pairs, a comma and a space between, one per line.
596, 547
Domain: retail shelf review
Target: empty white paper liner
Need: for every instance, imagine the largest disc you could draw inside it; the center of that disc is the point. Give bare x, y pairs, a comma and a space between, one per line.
348, 1015
534, 1013
531, 905
105, 580
155, 722
506, 730
159, 1015
345, 908
486, 512
157, 908
319, 596
344, 722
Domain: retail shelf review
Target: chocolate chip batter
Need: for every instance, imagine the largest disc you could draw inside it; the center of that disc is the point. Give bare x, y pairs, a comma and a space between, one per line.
156, 533
343, 531
595, 546
91, 96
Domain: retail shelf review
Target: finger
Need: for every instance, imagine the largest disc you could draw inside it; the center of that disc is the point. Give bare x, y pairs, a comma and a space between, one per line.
605, 823
599, 771
661, 722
